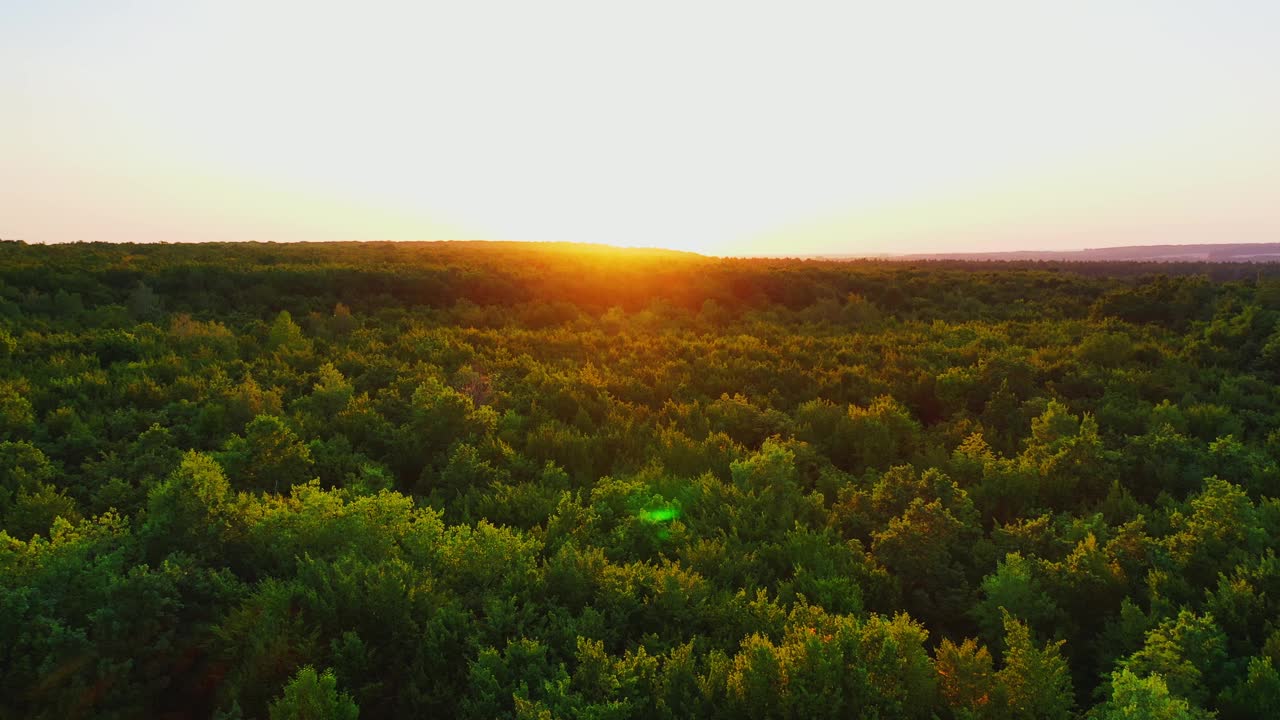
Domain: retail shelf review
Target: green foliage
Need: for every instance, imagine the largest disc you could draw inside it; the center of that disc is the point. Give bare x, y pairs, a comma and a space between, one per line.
16, 412
309, 696
966, 679
1014, 588
1035, 681
269, 456
191, 509
1135, 698
33, 512
495, 480
285, 335
1189, 652
143, 303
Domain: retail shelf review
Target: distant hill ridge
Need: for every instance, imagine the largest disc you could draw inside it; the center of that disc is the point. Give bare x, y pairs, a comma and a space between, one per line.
1235, 252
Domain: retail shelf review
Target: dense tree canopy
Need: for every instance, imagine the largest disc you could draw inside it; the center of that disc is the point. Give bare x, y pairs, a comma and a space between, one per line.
554, 481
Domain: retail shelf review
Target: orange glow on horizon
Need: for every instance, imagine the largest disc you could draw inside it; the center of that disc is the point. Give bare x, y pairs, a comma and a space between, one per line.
714, 127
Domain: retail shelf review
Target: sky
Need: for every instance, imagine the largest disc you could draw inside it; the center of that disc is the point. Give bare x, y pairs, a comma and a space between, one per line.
728, 128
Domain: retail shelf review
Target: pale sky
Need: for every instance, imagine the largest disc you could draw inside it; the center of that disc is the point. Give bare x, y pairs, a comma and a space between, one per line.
720, 127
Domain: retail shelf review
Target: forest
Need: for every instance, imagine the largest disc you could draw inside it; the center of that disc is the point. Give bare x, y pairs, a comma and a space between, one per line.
521, 480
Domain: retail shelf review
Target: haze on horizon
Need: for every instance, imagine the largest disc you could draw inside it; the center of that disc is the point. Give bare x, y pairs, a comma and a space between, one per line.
724, 128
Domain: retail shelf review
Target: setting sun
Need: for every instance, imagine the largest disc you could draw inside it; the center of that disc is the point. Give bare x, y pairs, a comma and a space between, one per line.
725, 128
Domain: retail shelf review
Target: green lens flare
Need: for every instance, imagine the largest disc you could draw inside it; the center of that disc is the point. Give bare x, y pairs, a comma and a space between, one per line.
659, 515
